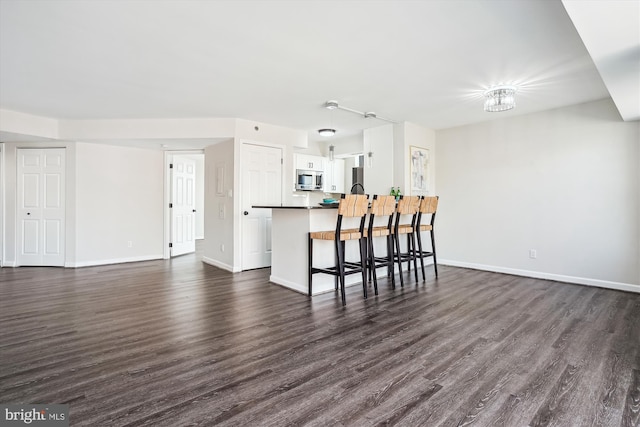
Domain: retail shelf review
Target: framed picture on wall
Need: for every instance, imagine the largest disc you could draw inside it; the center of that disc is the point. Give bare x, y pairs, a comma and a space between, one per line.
418, 168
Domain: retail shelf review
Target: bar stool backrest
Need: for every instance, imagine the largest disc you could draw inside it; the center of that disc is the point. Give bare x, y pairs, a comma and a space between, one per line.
383, 205
353, 205
429, 205
408, 205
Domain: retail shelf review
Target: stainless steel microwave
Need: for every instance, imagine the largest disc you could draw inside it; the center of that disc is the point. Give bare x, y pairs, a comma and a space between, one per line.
309, 180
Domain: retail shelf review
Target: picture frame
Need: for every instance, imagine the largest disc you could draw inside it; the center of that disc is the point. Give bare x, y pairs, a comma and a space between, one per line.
418, 170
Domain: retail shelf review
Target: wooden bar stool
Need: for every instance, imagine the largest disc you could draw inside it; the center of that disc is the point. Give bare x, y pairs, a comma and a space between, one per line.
406, 208
381, 206
351, 206
428, 207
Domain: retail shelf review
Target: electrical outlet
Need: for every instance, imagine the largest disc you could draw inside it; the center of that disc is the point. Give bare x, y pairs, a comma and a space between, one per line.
533, 254
221, 247
129, 244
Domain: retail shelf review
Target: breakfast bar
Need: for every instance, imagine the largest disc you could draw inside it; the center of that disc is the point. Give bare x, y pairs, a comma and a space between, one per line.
289, 256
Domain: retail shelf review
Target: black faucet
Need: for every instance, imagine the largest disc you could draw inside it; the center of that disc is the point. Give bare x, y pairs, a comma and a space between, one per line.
356, 185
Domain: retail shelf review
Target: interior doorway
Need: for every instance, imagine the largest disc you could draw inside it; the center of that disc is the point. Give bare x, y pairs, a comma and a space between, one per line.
182, 206
184, 201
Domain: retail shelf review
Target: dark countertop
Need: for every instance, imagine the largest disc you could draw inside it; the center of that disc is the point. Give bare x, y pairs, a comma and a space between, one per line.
330, 206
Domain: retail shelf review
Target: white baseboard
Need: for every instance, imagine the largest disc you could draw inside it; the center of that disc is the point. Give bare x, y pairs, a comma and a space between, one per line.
317, 289
112, 261
289, 285
628, 287
219, 264
9, 264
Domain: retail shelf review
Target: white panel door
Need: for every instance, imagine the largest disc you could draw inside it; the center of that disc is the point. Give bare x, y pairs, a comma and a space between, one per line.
261, 185
183, 206
41, 206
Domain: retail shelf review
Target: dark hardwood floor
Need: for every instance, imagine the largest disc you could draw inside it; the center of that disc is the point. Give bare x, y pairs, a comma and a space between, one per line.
173, 343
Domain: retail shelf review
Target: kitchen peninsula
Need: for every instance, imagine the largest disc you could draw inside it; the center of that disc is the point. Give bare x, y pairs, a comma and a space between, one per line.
289, 251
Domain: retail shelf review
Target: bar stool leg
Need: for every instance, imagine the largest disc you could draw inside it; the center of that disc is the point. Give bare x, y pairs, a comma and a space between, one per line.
363, 257
408, 252
412, 237
390, 266
340, 266
372, 264
310, 246
336, 278
370, 274
398, 257
420, 251
433, 250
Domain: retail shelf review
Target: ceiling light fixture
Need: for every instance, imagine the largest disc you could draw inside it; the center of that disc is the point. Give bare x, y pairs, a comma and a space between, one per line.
333, 105
499, 98
327, 132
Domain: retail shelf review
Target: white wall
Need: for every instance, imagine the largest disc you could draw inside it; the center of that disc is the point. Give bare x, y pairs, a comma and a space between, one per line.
346, 146
378, 177
418, 136
218, 207
27, 124
119, 200
160, 129
405, 136
564, 182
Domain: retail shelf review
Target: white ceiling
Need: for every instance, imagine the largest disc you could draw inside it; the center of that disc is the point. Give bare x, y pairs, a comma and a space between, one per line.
277, 62
615, 49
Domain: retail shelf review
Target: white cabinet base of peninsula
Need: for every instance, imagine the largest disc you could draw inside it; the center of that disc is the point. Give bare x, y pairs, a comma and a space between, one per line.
289, 257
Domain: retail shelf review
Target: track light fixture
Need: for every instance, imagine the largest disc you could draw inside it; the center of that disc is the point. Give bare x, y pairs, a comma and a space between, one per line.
333, 105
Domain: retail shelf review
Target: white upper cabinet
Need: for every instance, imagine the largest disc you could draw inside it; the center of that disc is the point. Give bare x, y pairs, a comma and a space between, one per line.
334, 176
305, 161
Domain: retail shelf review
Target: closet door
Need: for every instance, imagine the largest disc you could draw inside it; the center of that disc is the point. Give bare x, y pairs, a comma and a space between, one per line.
261, 184
41, 203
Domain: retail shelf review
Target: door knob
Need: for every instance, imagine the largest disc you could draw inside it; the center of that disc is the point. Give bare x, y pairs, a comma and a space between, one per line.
246, 213
193, 210
28, 213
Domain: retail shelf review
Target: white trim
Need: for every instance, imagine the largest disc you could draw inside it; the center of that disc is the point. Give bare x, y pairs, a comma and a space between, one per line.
112, 261
356, 279
219, 264
10, 264
628, 287
297, 287
166, 252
